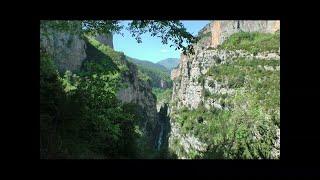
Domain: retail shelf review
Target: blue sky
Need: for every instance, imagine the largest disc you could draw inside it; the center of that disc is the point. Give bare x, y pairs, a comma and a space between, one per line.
151, 48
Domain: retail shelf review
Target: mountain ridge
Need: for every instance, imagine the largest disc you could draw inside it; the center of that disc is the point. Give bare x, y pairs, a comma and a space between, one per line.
144, 62
158, 75
169, 63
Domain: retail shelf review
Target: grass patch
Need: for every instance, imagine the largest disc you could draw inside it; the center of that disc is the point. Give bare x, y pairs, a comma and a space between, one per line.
253, 42
98, 53
236, 72
201, 80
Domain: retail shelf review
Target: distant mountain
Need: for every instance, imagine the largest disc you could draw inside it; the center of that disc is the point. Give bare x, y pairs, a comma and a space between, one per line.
158, 74
146, 63
169, 63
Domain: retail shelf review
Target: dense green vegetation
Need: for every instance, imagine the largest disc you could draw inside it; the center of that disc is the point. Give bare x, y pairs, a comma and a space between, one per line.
163, 95
248, 129
102, 58
152, 73
80, 116
156, 76
85, 121
147, 64
233, 72
253, 42
78, 126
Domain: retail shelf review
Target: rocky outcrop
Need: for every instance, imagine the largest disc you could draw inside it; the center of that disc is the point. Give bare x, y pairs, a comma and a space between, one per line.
67, 48
140, 93
205, 29
188, 88
221, 30
163, 84
190, 80
186, 142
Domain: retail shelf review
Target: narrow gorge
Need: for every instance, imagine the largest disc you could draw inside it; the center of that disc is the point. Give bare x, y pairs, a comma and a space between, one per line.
222, 102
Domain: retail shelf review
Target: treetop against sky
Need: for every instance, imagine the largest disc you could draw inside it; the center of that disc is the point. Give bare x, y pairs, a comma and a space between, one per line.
151, 48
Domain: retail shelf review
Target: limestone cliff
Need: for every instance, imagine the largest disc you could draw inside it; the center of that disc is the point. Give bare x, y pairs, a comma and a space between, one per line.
189, 91
191, 82
218, 31
140, 93
221, 30
66, 47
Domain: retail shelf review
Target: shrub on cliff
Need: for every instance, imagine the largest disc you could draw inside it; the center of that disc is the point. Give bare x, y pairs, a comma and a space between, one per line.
248, 130
80, 114
253, 42
163, 95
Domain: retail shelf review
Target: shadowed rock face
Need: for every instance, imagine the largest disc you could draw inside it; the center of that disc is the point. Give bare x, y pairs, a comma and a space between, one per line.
106, 39
164, 121
66, 48
140, 93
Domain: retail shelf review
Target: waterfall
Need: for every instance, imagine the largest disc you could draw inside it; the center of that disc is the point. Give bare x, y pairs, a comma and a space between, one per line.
160, 138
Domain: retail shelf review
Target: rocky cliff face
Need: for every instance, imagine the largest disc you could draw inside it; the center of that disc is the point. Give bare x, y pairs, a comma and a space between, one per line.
189, 91
67, 48
106, 39
218, 31
221, 30
188, 87
190, 81
140, 93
